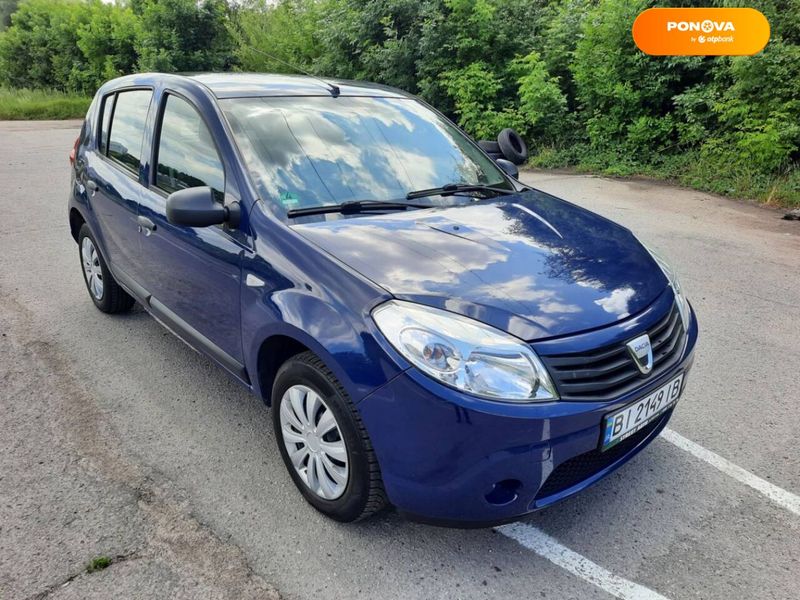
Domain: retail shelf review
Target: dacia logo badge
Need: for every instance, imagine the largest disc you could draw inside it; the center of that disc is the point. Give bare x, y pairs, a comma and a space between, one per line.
642, 353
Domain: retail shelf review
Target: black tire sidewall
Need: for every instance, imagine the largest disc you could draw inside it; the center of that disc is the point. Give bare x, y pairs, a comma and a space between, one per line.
350, 505
509, 141
489, 146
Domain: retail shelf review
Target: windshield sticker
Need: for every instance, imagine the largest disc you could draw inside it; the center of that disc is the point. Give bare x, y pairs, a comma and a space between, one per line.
289, 199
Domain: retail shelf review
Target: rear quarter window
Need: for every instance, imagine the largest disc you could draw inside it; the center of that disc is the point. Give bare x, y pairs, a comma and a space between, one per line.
127, 127
106, 110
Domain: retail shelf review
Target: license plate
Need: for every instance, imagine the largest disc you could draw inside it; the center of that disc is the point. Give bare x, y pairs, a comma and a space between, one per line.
624, 423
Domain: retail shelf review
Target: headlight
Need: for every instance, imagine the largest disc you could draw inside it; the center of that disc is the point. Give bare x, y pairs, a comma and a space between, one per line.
672, 277
465, 354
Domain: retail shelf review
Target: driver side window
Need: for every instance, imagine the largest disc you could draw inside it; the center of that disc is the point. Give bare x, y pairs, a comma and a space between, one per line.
187, 156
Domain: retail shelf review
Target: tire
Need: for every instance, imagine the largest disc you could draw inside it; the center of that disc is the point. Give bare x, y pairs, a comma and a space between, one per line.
362, 493
495, 155
489, 146
512, 146
103, 289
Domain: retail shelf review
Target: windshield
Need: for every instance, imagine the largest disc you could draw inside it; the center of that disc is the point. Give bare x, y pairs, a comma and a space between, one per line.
317, 151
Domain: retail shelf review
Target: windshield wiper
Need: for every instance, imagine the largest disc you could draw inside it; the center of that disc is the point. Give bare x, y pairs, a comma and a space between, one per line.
457, 188
352, 207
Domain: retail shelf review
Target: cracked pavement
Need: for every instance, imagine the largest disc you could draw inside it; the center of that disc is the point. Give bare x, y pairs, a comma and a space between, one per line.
70, 494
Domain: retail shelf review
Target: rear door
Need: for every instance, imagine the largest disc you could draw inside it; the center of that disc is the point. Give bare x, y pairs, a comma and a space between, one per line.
113, 177
193, 273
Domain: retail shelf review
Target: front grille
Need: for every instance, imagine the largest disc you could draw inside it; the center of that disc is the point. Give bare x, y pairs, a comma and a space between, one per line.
583, 466
609, 372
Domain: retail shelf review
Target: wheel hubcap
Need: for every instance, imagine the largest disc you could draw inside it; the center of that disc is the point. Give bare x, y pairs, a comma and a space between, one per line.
91, 268
314, 442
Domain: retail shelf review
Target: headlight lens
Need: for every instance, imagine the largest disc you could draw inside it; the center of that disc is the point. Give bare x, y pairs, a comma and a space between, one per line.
674, 282
464, 353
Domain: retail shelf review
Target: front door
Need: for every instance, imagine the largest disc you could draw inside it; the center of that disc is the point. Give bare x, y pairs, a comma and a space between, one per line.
113, 177
192, 273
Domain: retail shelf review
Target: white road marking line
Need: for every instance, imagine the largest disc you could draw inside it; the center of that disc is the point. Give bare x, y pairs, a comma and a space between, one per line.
787, 500
547, 547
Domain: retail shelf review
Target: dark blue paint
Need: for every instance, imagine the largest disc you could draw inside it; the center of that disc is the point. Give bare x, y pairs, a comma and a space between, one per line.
530, 264
538, 267
441, 451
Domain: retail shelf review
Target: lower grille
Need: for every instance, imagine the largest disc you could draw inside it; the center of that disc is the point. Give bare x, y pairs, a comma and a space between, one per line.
578, 468
608, 373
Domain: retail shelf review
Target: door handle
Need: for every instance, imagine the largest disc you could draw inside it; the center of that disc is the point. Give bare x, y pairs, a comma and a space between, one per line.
91, 186
146, 225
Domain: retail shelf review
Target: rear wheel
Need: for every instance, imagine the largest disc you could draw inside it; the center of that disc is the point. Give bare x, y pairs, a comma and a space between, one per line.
104, 291
323, 441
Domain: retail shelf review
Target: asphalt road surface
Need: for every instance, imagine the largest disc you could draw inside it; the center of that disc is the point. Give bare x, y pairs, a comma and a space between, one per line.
118, 440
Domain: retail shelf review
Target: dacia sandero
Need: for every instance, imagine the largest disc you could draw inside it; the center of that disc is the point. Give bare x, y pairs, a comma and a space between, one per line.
429, 332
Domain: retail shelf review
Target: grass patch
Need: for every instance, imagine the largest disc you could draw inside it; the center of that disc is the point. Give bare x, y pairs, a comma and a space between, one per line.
98, 564
718, 175
25, 104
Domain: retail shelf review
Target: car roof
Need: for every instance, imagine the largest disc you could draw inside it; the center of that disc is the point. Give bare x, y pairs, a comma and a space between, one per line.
237, 85
230, 85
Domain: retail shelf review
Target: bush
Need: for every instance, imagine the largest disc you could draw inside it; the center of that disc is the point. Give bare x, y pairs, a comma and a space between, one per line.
75, 45
40, 49
183, 35
298, 23
542, 105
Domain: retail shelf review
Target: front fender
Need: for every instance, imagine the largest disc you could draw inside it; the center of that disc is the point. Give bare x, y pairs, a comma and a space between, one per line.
292, 288
341, 339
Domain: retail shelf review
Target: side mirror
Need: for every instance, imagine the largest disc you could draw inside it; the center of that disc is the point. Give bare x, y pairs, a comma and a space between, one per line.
196, 207
509, 167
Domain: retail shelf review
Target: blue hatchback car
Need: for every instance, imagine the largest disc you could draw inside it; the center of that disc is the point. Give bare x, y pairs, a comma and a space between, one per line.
429, 332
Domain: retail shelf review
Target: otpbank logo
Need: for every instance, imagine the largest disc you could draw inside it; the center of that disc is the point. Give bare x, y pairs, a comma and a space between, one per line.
701, 31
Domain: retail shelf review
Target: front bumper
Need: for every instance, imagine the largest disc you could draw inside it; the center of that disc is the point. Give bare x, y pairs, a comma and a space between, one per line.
454, 459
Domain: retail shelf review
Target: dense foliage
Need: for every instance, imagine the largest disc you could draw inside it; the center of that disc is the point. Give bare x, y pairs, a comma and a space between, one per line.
76, 45
565, 73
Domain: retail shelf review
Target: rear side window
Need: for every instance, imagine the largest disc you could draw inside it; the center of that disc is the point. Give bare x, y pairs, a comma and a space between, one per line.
106, 111
187, 156
127, 127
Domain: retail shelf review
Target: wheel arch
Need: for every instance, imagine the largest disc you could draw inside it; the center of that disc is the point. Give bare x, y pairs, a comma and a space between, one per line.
76, 221
273, 352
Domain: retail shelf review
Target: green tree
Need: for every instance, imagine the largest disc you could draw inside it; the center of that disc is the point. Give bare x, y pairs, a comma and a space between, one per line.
107, 42
7, 8
458, 33
542, 104
622, 93
184, 35
40, 48
474, 89
376, 40
290, 30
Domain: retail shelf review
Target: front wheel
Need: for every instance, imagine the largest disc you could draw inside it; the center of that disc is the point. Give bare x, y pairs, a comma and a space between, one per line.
323, 441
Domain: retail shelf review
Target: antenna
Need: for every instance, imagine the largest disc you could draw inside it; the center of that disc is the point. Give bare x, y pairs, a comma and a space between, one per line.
334, 89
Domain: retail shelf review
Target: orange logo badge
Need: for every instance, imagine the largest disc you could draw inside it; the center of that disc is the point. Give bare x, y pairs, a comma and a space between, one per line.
701, 31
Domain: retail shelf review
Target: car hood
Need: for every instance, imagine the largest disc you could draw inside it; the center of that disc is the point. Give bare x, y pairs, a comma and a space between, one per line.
530, 264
